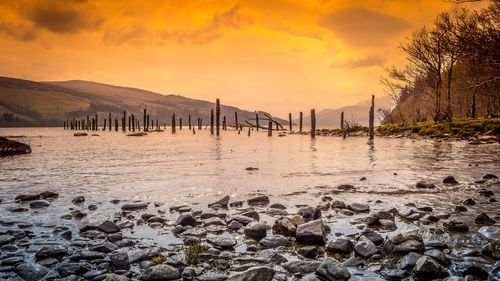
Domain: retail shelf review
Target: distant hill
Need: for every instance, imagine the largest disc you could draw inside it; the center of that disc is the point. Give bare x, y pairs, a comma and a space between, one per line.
29, 103
357, 113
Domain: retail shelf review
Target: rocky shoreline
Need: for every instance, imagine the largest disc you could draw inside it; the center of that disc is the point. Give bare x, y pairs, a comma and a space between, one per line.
257, 239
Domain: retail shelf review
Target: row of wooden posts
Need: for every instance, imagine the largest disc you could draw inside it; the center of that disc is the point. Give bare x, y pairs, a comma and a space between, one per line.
91, 123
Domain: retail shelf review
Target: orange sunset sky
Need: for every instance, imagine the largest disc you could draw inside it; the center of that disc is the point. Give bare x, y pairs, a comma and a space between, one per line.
279, 56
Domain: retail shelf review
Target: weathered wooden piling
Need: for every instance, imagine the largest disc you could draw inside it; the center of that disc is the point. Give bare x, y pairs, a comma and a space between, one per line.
180, 123
110, 121
88, 123
130, 123
217, 116
146, 125
290, 121
124, 120
236, 119
104, 129
64, 125
189, 121
300, 122
116, 124
224, 123
144, 119
96, 122
173, 123
157, 126
211, 121
133, 123
372, 117
270, 128
342, 125
313, 123
257, 121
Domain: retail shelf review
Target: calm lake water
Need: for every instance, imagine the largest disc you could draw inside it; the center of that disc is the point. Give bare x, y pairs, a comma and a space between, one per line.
196, 169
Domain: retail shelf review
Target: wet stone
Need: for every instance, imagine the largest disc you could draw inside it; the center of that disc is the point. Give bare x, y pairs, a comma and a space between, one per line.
352, 262
450, 180
484, 219
160, 272
78, 200
274, 241
469, 202
260, 200
31, 271
424, 185
310, 252
455, 225
51, 251
408, 261
222, 242
301, 266
27, 197
234, 225
134, 206
311, 233
261, 273
222, 202
365, 247
439, 256
186, 219
427, 267
48, 195
109, 227
490, 232
309, 213
120, 261
332, 270
39, 204
341, 245
359, 208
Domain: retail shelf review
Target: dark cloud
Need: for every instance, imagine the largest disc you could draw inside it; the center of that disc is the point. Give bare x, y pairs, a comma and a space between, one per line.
63, 16
363, 62
213, 29
18, 31
360, 27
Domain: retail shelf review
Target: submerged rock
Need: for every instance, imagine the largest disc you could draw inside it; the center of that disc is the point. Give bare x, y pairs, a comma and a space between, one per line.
51, 251
424, 185
78, 200
11, 147
427, 267
450, 180
134, 206
186, 219
359, 208
109, 227
404, 242
309, 213
484, 219
27, 197
39, 204
365, 247
341, 245
490, 232
274, 241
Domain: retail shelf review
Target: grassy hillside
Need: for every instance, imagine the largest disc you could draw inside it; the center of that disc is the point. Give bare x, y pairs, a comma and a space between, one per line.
28, 103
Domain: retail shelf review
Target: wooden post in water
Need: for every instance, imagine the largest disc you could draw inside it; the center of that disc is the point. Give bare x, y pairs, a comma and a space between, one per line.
194, 133
88, 123
342, 125
64, 124
313, 123
96, 122
248, 131
173, 123
300, 122
124, 120
277, 127
236, 119
189, 121
372, 117
257, 121
145, 121
110, 121
224, 123
157, 126
130, 123
116, 124
146, 125
180, 123
211, 121
290, 121
270, 129
104, 129
133, 123
217, 116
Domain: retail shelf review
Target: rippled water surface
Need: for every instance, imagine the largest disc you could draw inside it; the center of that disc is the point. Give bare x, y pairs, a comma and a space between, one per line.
196, 169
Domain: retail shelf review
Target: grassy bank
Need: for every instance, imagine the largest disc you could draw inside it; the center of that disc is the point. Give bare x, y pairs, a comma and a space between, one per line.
459, 128
465, 128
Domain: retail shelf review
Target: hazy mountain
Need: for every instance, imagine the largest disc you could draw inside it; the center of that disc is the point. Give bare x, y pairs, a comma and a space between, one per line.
29, 103
357, 113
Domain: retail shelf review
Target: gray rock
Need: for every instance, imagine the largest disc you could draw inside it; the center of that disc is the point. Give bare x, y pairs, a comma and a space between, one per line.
404, 242
120, 261
48, 195
195, 232
31, 271
186, 219
6, 239
259, 200
51, 251
221, 202
271, 256
244, 220
27, 197
490, 232
252, 214
301, 266
109, 227
438, 256
213, 221
274, 241
450, 180
341, 245
67, 269
39, 204
255, 230
352, 262
260, 273
359, 208
455, 225
160, 272
278, 206
365, 247
234, 225
408, 262
312, 232
310, 252
115, 277
105, 247
222, 242
309, 213
332, 270
372, 236
427, 267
